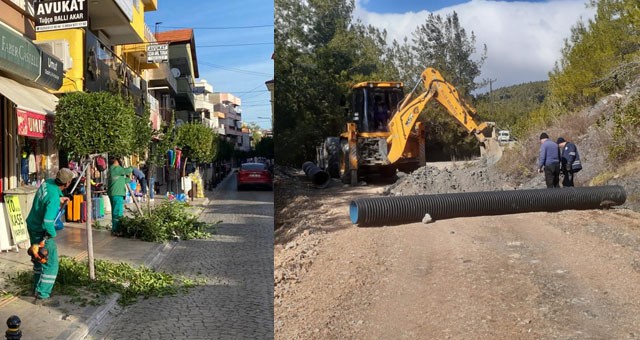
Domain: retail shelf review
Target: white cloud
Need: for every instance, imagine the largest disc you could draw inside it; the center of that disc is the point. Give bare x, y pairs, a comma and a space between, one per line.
523, 39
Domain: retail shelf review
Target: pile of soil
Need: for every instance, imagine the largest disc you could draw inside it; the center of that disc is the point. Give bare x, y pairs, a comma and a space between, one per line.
450, 177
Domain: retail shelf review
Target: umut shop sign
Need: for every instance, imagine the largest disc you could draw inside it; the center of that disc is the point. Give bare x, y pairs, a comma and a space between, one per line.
31, 124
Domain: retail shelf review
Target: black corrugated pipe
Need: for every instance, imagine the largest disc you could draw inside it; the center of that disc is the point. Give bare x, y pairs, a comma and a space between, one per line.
408, 209
319, 177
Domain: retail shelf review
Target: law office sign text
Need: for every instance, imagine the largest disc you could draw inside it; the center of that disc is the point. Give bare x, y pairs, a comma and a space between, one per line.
60, 14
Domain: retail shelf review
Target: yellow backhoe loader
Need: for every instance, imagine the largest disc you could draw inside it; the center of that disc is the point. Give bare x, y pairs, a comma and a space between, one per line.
373, 143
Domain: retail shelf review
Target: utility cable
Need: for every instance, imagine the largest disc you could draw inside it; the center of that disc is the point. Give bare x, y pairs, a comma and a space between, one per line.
220, 28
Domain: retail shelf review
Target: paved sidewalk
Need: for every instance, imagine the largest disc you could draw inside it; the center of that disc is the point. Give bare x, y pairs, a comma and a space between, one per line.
70, 321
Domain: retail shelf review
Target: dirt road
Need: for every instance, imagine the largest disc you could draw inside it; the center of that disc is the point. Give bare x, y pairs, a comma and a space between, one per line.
566, 275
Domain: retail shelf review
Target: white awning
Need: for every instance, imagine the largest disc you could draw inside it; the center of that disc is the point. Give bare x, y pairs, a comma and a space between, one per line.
28, 98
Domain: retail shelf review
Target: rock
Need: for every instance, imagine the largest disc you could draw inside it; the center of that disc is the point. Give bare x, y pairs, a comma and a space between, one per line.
427, 219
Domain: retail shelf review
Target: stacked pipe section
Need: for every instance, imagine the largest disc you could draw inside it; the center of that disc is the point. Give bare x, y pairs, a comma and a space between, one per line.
318, 176
378, 211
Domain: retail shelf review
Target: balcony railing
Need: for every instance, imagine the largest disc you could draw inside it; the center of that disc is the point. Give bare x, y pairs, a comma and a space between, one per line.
230, 130
25, 5
210, 123
107, 72
148, 34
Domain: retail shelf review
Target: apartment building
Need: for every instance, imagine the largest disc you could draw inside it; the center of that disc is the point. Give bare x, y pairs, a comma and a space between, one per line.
205, 107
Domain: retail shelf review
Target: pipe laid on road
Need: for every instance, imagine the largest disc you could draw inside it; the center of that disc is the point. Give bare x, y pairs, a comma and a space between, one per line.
378, 211
319, 177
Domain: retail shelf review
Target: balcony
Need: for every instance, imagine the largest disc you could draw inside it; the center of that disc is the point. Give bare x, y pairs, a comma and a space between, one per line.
227, 110
184, 94
110, 73
162, 77
226, 98
137, 53
210, 123
150, 5
232, 131
202, 104
121, 20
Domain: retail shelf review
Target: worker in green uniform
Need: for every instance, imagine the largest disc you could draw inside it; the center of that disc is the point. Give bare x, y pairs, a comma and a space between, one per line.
41, 226
116, 189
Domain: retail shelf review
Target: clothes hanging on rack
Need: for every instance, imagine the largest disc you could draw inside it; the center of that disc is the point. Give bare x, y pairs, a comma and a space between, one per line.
32, 163
24, 167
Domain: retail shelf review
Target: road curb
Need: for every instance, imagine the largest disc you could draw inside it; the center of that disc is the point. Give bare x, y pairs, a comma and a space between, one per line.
101, 315
159, 254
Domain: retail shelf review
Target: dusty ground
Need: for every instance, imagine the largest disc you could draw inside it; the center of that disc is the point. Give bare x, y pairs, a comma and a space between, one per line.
566, 275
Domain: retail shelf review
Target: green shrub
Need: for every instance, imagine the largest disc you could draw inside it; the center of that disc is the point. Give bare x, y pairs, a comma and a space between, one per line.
626, 132
166, 221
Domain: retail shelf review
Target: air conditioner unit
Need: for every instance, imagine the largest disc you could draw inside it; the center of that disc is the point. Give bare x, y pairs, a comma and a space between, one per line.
59, 49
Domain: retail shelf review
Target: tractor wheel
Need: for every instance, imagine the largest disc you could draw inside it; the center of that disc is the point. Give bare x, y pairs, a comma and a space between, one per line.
333, 151
345, 171
388, 171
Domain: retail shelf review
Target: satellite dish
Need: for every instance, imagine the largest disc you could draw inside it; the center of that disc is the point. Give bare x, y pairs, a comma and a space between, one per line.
176, 72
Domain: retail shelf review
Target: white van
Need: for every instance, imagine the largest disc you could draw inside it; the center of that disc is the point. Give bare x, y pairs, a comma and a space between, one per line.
504, 136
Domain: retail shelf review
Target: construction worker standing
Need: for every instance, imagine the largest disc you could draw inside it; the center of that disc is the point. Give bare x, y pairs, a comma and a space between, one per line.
549, 161
570, 160
117, 191
41, 226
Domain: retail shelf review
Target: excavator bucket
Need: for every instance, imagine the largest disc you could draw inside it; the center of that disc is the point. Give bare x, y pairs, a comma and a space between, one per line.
491, 150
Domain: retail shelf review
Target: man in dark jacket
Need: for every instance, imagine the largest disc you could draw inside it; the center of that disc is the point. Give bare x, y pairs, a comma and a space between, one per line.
549, 161
570, 160
142, 179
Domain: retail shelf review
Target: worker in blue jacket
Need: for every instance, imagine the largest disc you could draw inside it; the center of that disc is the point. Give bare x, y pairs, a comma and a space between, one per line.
570, 161
41, 227
549, 161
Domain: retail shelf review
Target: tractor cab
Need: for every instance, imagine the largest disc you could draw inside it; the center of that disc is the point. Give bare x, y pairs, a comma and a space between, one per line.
374, 103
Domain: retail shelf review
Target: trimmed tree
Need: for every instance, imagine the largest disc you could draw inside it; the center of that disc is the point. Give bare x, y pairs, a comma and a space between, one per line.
196, 141
264, 148
97, 122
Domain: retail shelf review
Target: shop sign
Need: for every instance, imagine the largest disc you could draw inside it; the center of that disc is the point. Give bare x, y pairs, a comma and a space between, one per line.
157, 53
31, 124
60, 14
16, 220
51, 72
18, 55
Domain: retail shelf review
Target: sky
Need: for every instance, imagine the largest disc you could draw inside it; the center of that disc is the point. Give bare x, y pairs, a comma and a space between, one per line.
234, 44
523, 38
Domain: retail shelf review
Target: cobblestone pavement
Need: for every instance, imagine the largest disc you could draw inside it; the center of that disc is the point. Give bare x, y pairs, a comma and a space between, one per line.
237, 262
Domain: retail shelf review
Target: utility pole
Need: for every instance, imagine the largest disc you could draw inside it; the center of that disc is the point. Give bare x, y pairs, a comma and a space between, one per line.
156, 29
493, 108
491, 88
88, 217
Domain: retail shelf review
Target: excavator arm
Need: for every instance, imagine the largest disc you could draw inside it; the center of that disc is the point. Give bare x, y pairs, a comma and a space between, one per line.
435, 87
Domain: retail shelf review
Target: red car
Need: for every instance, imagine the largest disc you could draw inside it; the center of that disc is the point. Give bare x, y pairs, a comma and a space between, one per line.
254, 174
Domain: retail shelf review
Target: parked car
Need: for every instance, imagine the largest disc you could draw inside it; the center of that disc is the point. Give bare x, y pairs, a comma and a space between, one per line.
254, 175
504, 136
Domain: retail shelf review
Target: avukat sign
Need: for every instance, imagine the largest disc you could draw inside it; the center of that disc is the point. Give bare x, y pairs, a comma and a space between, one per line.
60, 14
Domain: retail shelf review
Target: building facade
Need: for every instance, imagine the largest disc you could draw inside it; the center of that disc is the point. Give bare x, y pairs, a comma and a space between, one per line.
28, 75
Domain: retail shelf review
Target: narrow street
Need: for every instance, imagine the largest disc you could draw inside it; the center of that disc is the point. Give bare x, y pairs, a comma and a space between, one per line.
237, 300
